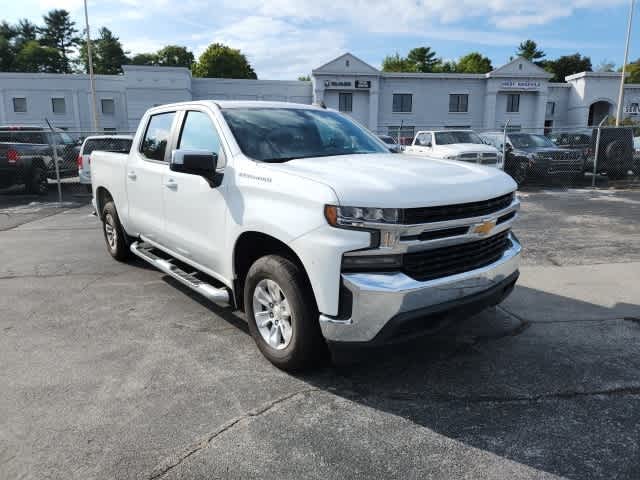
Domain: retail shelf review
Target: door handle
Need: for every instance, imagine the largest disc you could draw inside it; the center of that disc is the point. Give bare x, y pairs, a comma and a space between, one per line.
132, 175
171, 183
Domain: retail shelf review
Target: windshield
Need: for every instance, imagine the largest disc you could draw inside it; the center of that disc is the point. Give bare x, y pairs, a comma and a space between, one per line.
528, 140
64, 138
281, 134
448, 138
387, 140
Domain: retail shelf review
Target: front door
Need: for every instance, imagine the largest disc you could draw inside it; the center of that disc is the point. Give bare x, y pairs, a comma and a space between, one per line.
195, 212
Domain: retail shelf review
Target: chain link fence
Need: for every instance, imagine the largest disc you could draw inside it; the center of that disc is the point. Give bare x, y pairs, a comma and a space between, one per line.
55, 164
50, 164
602, 156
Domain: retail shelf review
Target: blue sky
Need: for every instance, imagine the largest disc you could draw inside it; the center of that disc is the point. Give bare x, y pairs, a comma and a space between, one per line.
287, 38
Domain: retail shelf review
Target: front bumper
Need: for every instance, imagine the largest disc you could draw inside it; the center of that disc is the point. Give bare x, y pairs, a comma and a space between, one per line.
383, 301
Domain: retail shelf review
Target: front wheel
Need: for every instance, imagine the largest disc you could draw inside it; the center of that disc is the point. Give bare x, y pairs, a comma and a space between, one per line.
114, 235
282, 314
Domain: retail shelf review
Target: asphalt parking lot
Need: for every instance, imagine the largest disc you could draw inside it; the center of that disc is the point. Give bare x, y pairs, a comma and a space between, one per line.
114, 371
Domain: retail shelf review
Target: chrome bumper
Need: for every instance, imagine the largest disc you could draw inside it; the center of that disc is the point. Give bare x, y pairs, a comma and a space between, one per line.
380, 297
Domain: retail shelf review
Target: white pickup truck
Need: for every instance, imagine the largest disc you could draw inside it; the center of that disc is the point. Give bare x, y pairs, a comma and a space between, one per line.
462, 145
305, 220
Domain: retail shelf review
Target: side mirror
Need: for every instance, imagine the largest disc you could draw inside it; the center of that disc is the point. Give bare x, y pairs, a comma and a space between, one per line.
194, 162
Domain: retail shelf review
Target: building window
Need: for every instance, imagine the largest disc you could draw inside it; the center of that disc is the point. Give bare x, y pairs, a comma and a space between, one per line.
551, 109
109, 129
58, 105
458, 103
19, 104
108, 106
402, 102
513, 103
345, 102
457, 127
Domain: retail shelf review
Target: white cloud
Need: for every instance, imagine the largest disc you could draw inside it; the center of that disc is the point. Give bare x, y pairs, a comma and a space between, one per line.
278, 49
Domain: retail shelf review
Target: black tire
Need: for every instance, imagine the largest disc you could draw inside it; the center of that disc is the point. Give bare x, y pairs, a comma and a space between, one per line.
37, 182
115, 237
306, 347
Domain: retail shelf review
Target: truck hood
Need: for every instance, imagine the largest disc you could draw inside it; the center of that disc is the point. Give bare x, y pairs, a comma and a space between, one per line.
457, 148
401, 180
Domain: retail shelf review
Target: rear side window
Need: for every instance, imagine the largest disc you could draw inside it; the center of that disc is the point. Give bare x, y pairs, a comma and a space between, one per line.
154, 143
37, 137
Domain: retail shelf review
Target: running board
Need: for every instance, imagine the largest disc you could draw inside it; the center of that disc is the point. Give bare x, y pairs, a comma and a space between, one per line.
145, 252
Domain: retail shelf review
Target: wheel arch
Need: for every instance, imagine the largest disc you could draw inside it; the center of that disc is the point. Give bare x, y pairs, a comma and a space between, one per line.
249, 247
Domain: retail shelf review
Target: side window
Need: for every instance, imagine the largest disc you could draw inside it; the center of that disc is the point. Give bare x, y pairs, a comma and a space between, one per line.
154, 143
199, 133
424, 139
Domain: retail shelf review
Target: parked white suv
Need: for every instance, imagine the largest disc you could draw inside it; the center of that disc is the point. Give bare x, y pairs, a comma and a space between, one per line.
105, 143
462, 145
307, 222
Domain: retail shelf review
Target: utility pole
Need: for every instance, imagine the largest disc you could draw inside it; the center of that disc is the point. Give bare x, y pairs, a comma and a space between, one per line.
92, 78
624, 67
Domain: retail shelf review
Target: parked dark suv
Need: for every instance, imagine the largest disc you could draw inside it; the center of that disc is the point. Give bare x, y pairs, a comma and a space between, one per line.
615, 155
26, 157
531, 158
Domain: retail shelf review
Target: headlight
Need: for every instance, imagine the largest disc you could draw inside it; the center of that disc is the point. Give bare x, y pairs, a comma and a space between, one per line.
358, 216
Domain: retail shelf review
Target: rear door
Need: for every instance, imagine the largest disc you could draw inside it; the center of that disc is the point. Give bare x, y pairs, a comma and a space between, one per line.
195, 212
147, 165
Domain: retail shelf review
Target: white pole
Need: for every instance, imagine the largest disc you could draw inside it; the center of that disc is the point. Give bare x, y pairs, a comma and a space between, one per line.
624, 67
92, 79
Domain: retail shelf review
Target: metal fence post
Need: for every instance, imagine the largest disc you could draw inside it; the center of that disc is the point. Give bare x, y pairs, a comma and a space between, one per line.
55, 159
504, 144
595, 155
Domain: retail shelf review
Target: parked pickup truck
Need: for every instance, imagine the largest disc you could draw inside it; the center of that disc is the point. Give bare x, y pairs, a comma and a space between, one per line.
462, 145
26, 156
305, 220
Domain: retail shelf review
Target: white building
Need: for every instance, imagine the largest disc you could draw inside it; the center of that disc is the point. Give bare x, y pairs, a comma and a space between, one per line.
518, 92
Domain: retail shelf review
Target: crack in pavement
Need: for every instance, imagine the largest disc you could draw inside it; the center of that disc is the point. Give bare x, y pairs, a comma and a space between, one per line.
170, 463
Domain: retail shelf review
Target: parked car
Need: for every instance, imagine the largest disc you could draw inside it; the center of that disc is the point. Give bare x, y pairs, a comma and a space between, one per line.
105, 143
573, 141
391, 143
615, 152
636, 155
306, 221
26, 156
531, 157
462, 145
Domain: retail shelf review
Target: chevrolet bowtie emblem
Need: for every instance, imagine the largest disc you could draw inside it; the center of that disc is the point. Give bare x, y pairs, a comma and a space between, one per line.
483, 229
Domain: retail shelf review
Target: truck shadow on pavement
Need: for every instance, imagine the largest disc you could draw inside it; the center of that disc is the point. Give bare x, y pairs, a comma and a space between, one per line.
561, 396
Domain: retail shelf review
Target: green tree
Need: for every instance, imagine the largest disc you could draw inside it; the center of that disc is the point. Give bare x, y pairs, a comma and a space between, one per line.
7, 30
174, 56
108, 55
304, 78
446, 66
633, 72
396, 63
474, 62
34, 57
144, 59
567, 65
25, 31
7, 55
221, 61
423, 59
529, 50
605, 66
59, 32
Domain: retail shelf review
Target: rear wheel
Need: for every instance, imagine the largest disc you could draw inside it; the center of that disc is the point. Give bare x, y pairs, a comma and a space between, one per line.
114, 235
37, 182
282, 314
